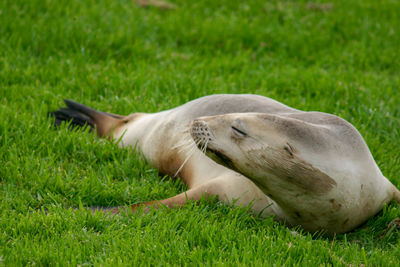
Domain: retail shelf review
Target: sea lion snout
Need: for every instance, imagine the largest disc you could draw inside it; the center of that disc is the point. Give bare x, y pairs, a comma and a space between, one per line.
200, 132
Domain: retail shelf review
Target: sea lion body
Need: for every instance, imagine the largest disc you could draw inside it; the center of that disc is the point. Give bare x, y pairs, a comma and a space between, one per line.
306, 168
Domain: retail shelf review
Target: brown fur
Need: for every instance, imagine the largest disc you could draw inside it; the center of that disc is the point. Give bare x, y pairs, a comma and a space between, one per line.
169, 161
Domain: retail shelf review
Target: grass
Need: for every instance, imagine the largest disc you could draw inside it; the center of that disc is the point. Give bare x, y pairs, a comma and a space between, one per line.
116, 56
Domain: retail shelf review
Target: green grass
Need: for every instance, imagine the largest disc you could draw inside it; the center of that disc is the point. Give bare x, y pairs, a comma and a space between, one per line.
116, 56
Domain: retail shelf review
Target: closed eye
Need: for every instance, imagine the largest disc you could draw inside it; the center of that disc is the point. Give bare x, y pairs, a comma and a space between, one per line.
238, 131
289, 149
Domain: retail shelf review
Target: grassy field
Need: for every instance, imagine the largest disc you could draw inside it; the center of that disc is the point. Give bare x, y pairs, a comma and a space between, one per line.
116, 55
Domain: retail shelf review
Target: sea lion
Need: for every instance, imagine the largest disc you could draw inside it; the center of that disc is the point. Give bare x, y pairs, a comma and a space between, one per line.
308, 169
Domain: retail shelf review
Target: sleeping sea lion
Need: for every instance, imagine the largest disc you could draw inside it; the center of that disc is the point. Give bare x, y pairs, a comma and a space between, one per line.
310, 169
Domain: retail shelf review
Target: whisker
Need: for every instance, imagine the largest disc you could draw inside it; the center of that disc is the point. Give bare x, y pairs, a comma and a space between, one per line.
181, 144
186, 141
204, 148
190, 154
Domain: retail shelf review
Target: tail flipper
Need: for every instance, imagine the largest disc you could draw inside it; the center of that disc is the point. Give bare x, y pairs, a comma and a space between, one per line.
81, 116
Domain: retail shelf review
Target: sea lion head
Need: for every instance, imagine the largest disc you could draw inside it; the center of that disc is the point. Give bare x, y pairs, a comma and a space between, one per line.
279, 154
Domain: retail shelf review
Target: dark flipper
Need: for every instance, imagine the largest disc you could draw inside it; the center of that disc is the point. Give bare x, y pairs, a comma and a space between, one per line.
81, 116
77, 119
88, 111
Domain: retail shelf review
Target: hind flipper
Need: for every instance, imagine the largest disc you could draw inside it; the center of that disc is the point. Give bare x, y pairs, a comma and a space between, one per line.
81, 115
77, 119
88, 111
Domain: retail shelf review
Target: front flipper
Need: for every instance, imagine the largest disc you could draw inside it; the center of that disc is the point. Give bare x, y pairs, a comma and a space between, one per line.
229, 189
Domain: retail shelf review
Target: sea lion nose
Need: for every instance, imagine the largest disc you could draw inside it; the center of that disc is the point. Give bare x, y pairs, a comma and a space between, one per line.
200, 132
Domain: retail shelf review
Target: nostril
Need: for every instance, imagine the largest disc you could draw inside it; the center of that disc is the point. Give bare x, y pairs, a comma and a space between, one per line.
200, 131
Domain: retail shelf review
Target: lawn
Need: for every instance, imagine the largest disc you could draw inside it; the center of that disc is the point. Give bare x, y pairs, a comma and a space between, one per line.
119, 56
